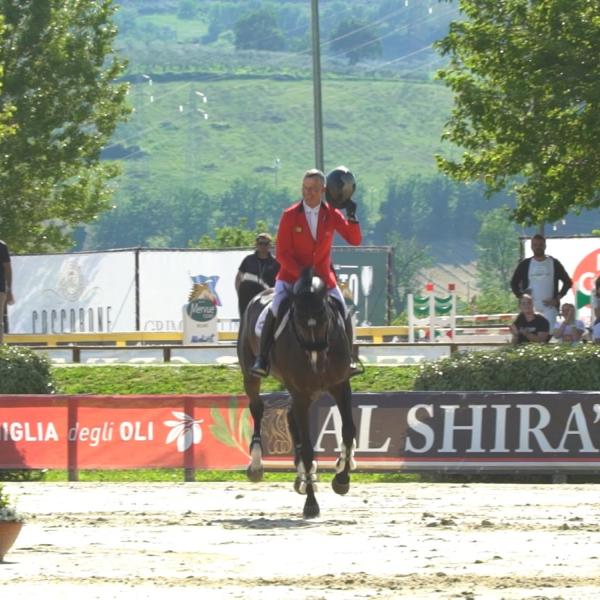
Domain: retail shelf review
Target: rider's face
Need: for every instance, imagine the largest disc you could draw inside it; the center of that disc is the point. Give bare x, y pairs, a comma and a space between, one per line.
312, 190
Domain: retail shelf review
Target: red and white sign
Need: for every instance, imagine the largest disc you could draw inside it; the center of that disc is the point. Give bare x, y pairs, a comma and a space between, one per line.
123, 432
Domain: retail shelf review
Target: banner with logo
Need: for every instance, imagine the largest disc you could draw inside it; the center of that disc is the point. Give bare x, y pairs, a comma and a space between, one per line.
412, 431
73, 293
164, 284
144, 290
363, 275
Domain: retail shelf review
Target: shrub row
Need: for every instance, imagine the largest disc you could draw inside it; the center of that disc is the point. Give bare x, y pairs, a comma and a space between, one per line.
527, 367
22, 371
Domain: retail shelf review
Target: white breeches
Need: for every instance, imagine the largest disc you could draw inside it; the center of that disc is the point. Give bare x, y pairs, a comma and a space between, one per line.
283, 289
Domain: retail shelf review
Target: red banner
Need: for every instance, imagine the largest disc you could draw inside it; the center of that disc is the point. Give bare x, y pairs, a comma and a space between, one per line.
87, 432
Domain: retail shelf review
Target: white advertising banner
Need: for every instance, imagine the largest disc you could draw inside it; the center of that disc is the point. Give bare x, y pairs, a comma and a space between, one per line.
101, 291
167, 278
580, 257
71, 293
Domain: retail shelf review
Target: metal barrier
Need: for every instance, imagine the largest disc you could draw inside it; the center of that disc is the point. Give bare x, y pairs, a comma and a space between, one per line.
373, 354
372, 334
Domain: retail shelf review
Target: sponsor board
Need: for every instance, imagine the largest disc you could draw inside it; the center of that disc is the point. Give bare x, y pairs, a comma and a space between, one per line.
411, 431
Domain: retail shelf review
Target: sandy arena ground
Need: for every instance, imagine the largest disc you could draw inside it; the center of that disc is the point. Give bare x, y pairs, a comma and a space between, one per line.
249, 541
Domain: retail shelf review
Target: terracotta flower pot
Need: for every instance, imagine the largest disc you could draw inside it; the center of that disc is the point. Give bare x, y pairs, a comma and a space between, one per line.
9, 531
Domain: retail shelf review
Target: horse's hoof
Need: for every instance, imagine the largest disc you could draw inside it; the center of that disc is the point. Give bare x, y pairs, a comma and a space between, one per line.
297, 489
255, 475
339, 487
311, 511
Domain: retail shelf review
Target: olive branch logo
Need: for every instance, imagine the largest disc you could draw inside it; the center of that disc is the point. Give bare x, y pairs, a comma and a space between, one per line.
232, 426
185, 430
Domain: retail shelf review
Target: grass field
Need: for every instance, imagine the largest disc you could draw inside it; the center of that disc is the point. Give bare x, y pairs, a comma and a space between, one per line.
264, 127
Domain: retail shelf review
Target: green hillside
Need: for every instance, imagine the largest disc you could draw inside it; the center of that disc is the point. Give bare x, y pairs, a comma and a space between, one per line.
264, 126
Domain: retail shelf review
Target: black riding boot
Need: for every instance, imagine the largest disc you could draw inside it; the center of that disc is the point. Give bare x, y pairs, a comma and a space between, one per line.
261, 364
355, 369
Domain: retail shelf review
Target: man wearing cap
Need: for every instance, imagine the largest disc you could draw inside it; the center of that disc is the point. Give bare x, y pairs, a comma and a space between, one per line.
304, 239
260, 266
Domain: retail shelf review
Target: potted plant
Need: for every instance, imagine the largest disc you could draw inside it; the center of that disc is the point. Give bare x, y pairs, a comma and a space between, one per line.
11, 523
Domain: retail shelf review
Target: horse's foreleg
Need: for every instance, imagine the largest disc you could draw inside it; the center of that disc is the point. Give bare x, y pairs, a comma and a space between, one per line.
345, 463
293, 429
306, 480
255, 470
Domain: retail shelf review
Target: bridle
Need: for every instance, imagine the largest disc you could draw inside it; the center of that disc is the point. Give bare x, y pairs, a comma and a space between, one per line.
311, 322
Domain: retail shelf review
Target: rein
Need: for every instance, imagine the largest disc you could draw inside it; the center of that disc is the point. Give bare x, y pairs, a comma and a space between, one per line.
306, 345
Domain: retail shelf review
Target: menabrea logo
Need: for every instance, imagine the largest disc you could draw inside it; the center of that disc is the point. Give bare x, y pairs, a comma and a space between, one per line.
584, 276
201, 310
185, 430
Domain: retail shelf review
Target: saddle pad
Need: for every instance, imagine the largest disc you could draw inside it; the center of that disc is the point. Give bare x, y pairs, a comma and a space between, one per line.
258, 327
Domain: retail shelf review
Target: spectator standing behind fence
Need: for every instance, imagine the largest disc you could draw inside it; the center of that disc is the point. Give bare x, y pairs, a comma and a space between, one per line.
569, 329
6, 295
596, 302
539, 276
529, 326
260, 266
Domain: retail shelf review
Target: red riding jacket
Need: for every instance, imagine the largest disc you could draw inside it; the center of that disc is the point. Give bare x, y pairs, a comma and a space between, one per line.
296, 248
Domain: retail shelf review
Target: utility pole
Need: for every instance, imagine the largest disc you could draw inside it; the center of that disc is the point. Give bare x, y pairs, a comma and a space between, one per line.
317, 109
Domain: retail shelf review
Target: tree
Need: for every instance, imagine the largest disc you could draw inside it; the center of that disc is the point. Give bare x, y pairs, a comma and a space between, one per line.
258, 31
410, 258
526, 83
356, 39
59, 71
497, 251
6, 129
231, 237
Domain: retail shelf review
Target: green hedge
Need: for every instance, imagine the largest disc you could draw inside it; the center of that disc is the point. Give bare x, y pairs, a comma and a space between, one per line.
22, 371
527, 367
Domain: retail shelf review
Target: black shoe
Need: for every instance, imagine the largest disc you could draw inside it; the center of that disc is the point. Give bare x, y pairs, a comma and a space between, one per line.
260, 368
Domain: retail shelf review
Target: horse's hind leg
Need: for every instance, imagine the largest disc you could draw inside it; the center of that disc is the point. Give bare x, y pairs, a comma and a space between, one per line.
306, 481
255, 470
345, 463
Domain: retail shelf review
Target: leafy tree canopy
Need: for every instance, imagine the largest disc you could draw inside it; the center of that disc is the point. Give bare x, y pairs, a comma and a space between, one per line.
231, 237
58, 74
526, 81
259, 31
410, 259
497, 251
356, 39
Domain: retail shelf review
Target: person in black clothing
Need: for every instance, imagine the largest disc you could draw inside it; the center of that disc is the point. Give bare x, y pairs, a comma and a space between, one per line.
6, 295
260, 266
529, 326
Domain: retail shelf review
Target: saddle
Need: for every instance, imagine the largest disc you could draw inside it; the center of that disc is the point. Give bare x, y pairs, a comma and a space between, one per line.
283, 314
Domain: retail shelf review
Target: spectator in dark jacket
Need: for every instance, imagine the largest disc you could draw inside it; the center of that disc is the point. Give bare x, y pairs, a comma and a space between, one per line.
540, 276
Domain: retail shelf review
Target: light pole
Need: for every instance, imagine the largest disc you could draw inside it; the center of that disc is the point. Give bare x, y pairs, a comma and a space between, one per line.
192, 110
317, 108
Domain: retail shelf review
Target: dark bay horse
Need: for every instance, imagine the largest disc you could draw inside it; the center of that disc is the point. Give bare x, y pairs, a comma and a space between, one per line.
310, 355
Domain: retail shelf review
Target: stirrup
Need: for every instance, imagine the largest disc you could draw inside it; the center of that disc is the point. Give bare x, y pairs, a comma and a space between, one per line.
356, 368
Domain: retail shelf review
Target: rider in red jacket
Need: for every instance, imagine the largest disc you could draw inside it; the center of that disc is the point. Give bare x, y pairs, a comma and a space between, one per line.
304, 239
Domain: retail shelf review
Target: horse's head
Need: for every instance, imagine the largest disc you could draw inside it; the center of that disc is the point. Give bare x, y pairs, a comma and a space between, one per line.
310, 311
